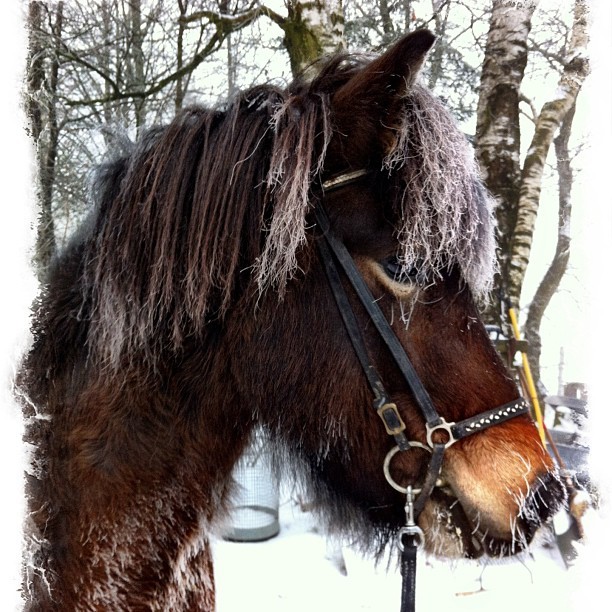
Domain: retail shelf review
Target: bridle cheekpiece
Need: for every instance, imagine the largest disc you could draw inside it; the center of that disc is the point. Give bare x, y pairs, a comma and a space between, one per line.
440, 434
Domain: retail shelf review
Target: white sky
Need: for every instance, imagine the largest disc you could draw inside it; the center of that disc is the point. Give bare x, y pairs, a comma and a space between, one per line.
580, 320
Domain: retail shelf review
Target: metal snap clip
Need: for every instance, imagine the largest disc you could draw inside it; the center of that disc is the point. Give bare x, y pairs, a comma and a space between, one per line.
411, 529
415, 532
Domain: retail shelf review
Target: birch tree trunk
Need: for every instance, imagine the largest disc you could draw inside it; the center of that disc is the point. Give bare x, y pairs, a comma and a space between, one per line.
42, 110
106, 11
312, 29
179, 92
575, 71
137, 61
517, 188
552, 279
498, 135
440, 17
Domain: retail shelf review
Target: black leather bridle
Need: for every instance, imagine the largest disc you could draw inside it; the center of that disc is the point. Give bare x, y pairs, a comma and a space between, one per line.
335, 256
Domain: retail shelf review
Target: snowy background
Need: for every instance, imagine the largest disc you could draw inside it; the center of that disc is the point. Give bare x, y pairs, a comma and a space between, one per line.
292, 572
298, 571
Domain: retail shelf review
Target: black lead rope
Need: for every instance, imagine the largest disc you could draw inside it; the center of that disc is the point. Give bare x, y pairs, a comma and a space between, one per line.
410, 537
408, 569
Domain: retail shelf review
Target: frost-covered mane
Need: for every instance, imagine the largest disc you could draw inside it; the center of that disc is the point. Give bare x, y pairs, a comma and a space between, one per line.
446, 213
220, 197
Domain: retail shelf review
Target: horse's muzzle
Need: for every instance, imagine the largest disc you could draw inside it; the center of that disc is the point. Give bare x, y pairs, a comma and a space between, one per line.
542, 503
454, 533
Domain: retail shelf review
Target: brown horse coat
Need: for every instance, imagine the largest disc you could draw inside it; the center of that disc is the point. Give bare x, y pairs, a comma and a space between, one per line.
191, 307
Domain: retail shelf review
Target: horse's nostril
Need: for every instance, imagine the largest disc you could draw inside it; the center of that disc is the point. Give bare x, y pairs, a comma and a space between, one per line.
544, 500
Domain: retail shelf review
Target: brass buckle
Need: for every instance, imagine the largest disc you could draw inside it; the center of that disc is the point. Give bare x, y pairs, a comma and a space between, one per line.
391, 418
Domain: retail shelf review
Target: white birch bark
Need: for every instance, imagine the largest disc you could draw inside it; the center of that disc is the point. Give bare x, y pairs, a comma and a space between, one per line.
552, 279
502, 74
576, 69
498, 134
313, 29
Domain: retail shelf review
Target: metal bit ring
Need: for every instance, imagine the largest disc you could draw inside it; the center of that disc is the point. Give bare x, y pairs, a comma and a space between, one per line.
387, 465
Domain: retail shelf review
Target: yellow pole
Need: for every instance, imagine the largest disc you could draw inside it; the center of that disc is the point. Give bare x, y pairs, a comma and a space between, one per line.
533, 396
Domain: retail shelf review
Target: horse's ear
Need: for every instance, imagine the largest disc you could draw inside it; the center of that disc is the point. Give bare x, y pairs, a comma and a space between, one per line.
373, 97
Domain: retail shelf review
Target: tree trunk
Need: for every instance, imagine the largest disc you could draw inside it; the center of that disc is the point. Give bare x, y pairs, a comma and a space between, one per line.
437, 53
385, 16
408, 14
138, 61
179, 93
498, 137
575, 71
36, 69
312, 30
552, 279
106, 58
42, 109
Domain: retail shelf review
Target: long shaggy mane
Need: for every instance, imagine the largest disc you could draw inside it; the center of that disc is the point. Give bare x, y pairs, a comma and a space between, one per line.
215, 203
446, 214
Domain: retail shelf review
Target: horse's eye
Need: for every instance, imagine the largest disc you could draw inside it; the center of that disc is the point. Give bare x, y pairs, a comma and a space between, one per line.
400, 273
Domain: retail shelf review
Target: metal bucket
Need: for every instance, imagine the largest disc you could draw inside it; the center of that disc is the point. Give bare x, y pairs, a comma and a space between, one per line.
254, 513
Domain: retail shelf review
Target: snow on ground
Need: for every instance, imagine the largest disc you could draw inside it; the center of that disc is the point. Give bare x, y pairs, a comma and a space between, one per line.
294, 572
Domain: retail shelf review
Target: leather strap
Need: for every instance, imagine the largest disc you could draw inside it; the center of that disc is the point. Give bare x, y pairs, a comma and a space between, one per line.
380, 322
483, 420
433, 472
408, 571
383, 405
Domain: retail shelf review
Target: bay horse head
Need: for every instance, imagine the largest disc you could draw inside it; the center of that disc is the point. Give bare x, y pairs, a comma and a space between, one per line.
195, 304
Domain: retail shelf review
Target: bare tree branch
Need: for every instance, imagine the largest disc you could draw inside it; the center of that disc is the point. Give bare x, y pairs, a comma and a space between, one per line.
213, 44
230, 23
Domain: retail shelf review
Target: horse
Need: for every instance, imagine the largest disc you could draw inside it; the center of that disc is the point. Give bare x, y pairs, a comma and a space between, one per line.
193, 307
